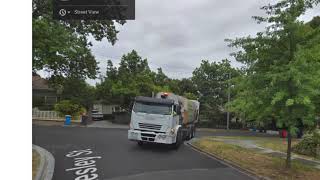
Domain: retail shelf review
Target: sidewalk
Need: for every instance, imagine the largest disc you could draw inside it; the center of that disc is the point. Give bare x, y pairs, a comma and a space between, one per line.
54, 123
250, 144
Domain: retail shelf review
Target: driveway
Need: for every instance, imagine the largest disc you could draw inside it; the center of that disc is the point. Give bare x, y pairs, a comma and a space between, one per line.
105, 153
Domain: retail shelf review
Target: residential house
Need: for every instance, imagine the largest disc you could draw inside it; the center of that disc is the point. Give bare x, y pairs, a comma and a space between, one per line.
43, 96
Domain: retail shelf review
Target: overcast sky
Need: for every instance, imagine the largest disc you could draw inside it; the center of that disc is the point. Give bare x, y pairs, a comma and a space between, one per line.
176, 35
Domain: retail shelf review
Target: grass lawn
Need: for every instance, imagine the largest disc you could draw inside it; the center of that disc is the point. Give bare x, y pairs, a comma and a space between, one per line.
260, 164
274, 143
35, 163
218, 130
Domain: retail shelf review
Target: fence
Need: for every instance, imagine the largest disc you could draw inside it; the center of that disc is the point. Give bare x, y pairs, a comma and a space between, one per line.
48, 116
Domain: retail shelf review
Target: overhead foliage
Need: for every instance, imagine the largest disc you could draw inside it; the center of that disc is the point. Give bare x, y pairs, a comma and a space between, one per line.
133, 77
78, 91
213, 80
61, 47
282, 77
67, 107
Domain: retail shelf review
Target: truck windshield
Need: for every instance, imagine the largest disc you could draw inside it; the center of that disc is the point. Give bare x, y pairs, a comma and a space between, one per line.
152, 108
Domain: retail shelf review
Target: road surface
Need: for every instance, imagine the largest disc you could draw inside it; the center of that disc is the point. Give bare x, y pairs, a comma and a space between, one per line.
97, 153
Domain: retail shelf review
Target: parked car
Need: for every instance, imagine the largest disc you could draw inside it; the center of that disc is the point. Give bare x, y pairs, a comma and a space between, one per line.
96, 115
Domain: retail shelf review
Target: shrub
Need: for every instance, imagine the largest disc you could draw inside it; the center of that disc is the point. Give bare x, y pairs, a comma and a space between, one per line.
309, 145
67, 107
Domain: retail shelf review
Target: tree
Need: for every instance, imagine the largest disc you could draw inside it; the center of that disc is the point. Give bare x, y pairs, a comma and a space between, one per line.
187, 86
59, 51
173, 85
212, 81
315, 22
133, 64
99, 29
112, 72
132, 78
76, 90
67, 107
104, 89
62, 47
160, 78
282, 69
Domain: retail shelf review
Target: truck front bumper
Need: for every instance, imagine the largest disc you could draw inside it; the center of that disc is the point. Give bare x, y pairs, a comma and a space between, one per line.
136, 135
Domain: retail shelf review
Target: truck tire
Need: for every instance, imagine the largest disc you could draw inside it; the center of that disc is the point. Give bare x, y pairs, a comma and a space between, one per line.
189, 134
179, 140
140, 143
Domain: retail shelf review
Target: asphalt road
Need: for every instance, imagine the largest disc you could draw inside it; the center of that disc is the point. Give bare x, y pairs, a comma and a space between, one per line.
117, 158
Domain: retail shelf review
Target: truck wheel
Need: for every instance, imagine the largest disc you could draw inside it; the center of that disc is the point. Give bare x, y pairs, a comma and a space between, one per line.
140, 143
178, 141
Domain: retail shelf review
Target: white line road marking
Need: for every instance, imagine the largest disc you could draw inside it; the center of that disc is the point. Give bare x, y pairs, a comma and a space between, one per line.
84, 167
81, 167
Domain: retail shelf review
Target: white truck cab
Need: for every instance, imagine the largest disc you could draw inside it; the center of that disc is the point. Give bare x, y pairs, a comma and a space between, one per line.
155, 120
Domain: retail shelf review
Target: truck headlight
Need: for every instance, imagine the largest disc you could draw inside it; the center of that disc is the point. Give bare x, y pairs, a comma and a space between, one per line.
134, 134
172, 131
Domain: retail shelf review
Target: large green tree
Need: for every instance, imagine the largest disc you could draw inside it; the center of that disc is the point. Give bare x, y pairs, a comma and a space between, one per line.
212, 80
186, 86
78, 91
132, 78
173, 85
61, 52
62, 47
282, 78
160, 78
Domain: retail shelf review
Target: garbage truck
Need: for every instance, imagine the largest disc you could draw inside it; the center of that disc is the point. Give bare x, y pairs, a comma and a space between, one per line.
166, 118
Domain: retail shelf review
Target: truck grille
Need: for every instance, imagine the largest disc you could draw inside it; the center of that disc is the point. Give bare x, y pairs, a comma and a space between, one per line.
150, 126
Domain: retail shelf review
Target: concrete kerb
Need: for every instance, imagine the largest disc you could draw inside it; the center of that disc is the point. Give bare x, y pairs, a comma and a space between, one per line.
46, 167
227, 163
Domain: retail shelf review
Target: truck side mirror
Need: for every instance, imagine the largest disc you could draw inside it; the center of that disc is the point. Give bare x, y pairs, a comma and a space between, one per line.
131, 105
178, 109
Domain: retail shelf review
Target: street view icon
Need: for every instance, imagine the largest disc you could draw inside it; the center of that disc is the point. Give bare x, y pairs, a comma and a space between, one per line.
62, 12
94, 9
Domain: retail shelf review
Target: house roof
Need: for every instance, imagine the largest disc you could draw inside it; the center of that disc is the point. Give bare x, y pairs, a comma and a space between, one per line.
39, 83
